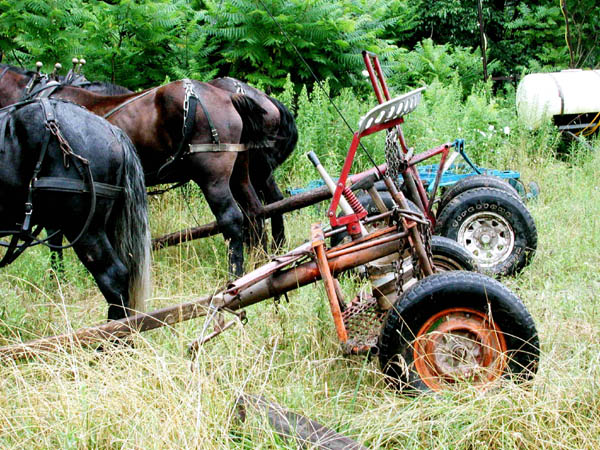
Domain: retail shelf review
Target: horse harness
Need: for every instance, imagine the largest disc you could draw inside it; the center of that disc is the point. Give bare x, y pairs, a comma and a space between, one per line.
57, 184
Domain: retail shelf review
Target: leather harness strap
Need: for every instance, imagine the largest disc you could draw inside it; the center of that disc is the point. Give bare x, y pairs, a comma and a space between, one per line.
190, 93
207, 148
190, 102
125, 103
44, 90
72, 185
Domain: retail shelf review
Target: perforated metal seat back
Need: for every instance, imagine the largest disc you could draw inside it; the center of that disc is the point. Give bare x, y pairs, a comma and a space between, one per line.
391, 110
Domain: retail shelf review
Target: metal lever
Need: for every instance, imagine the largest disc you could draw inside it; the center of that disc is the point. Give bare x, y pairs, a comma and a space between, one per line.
346, 208
82, 62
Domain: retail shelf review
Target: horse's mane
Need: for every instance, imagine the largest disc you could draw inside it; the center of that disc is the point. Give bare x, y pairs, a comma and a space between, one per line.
28, 73
104, 88
78, 81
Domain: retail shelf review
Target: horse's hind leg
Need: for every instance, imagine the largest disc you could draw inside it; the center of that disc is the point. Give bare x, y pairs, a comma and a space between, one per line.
212, 174
270, 192
245, 194
98, 256
261, 176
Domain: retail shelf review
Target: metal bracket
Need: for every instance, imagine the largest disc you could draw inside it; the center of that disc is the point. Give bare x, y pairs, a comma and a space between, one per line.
318, 244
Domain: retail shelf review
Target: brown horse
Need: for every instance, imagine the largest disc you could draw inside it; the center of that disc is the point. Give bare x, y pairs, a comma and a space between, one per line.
279, 126
283, 136
154, 120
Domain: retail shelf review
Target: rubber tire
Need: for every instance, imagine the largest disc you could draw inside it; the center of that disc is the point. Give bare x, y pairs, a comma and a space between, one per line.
438, 292
450, 255
500, 202
472, 182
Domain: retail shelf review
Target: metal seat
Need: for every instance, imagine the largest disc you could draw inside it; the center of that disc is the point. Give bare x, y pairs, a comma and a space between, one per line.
391, 110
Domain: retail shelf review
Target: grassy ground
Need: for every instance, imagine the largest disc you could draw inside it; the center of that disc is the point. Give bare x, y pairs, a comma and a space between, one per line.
155, 396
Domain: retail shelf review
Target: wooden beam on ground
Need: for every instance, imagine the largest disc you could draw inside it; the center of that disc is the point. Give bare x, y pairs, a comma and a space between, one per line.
290, 425
110, 330
288, 204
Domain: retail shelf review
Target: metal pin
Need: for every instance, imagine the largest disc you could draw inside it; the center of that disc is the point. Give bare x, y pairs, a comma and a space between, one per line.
82, 62
57, 68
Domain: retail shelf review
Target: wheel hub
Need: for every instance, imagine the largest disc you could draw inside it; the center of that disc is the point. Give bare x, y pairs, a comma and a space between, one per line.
488, 236
459, 344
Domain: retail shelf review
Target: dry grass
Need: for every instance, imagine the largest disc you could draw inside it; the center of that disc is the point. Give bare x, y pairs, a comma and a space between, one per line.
155, 396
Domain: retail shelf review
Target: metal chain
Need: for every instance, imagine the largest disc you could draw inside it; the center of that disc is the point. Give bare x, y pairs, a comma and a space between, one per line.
394, 157
189, 91
396, 165
416, 263
64, 145
426, 236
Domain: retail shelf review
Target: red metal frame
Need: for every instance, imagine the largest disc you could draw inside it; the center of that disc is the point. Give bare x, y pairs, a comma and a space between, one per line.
351, 221
383, 94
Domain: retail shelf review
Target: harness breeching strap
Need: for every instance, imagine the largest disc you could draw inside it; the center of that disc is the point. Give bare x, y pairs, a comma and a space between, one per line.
68, 154
190, 102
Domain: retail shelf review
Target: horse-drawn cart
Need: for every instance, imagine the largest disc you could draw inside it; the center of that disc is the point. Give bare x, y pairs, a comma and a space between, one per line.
479, 208
429, 328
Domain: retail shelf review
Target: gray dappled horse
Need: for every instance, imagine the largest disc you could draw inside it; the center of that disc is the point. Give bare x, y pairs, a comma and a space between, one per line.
66, 169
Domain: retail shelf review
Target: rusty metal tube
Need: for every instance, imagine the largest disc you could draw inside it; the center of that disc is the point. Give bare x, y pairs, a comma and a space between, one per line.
307, 273
415, 237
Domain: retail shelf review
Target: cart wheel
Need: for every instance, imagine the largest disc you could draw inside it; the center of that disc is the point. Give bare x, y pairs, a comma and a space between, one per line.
494, 226
450, 255
457, 327
472, 182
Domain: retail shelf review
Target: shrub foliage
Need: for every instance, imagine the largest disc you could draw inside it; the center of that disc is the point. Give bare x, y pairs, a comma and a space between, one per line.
141, 43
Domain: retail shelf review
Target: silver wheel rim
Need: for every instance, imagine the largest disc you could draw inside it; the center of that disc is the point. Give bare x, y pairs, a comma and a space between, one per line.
488, 236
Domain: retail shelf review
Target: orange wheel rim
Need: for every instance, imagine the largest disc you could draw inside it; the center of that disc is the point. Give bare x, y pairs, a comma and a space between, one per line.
459, 345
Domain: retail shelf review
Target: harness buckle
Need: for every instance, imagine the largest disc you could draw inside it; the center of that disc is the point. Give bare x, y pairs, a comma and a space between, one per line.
27, 219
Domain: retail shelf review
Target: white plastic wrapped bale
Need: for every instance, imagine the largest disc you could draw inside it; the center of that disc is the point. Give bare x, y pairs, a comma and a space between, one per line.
570, 98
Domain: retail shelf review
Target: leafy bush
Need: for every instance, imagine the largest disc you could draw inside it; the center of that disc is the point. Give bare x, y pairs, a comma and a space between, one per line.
328, 35
132, 43
444, 62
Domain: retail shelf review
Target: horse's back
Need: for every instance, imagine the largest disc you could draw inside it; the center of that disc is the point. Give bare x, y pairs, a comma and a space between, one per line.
83, 139
90, 137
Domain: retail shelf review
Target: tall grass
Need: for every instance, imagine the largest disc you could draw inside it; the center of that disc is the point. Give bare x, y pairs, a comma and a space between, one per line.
155, 396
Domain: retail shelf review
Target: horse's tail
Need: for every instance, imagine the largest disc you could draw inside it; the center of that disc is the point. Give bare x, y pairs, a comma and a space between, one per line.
252, 114
132, 232
287, 134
